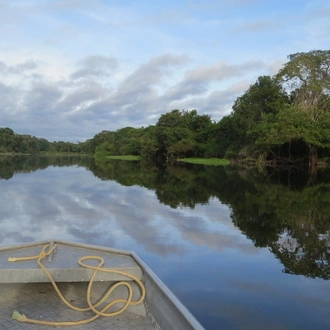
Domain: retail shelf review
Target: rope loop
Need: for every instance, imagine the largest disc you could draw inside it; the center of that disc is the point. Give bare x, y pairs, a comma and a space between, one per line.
91, 306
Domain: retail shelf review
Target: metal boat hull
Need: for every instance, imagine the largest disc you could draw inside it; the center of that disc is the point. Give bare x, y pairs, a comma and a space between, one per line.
25, 287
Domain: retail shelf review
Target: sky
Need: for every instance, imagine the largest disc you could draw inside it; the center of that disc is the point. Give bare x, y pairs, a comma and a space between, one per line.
70, 69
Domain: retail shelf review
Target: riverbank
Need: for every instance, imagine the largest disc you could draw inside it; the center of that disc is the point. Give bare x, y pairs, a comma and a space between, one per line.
206, 161
201, 161
125, 157
44, 154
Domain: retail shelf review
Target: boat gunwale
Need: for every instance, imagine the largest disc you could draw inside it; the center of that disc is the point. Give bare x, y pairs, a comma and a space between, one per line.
190, 318
73, 244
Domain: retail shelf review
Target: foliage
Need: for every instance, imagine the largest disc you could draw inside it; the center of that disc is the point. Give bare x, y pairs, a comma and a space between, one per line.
176, 134
307, 78
292, 125
182, 133
279, 120
206, 161
238, 130
125, 157
11, 142
282, 119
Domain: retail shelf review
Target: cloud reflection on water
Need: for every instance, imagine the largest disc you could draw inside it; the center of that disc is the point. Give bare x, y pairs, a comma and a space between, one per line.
210, 264
71, 204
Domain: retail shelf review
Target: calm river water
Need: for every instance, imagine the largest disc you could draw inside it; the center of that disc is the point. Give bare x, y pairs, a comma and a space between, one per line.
240, 251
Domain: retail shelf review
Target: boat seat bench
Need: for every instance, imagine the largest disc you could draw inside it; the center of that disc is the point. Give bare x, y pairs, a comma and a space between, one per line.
63, 265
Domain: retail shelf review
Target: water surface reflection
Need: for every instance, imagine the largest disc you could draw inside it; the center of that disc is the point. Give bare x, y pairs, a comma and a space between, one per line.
226, 243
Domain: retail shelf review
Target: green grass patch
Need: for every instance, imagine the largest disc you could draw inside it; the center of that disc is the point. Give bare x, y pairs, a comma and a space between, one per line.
206, 161
125, 157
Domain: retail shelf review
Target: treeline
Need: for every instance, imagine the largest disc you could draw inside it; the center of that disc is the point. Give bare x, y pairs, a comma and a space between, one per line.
10, 142
279, 120
284, 119
176, 134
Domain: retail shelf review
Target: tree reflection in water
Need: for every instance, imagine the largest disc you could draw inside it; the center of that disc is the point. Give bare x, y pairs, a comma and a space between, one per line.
286, 212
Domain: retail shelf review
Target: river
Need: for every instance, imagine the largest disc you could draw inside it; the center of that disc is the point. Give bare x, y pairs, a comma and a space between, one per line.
242, 250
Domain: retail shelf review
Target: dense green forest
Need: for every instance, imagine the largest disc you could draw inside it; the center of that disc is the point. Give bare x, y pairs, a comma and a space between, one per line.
10, 142
279, 120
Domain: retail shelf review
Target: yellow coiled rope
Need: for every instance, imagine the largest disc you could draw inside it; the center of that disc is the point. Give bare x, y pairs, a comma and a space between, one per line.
43, 254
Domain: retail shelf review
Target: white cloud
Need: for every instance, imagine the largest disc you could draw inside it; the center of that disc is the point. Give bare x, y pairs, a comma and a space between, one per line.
102, 65
65, 208
42, 97
255, 26
197, 81
95, 65
9, 98
18, 68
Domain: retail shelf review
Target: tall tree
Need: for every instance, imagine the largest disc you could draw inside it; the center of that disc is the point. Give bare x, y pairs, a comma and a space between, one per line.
171, 128
306, 78
264, 98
